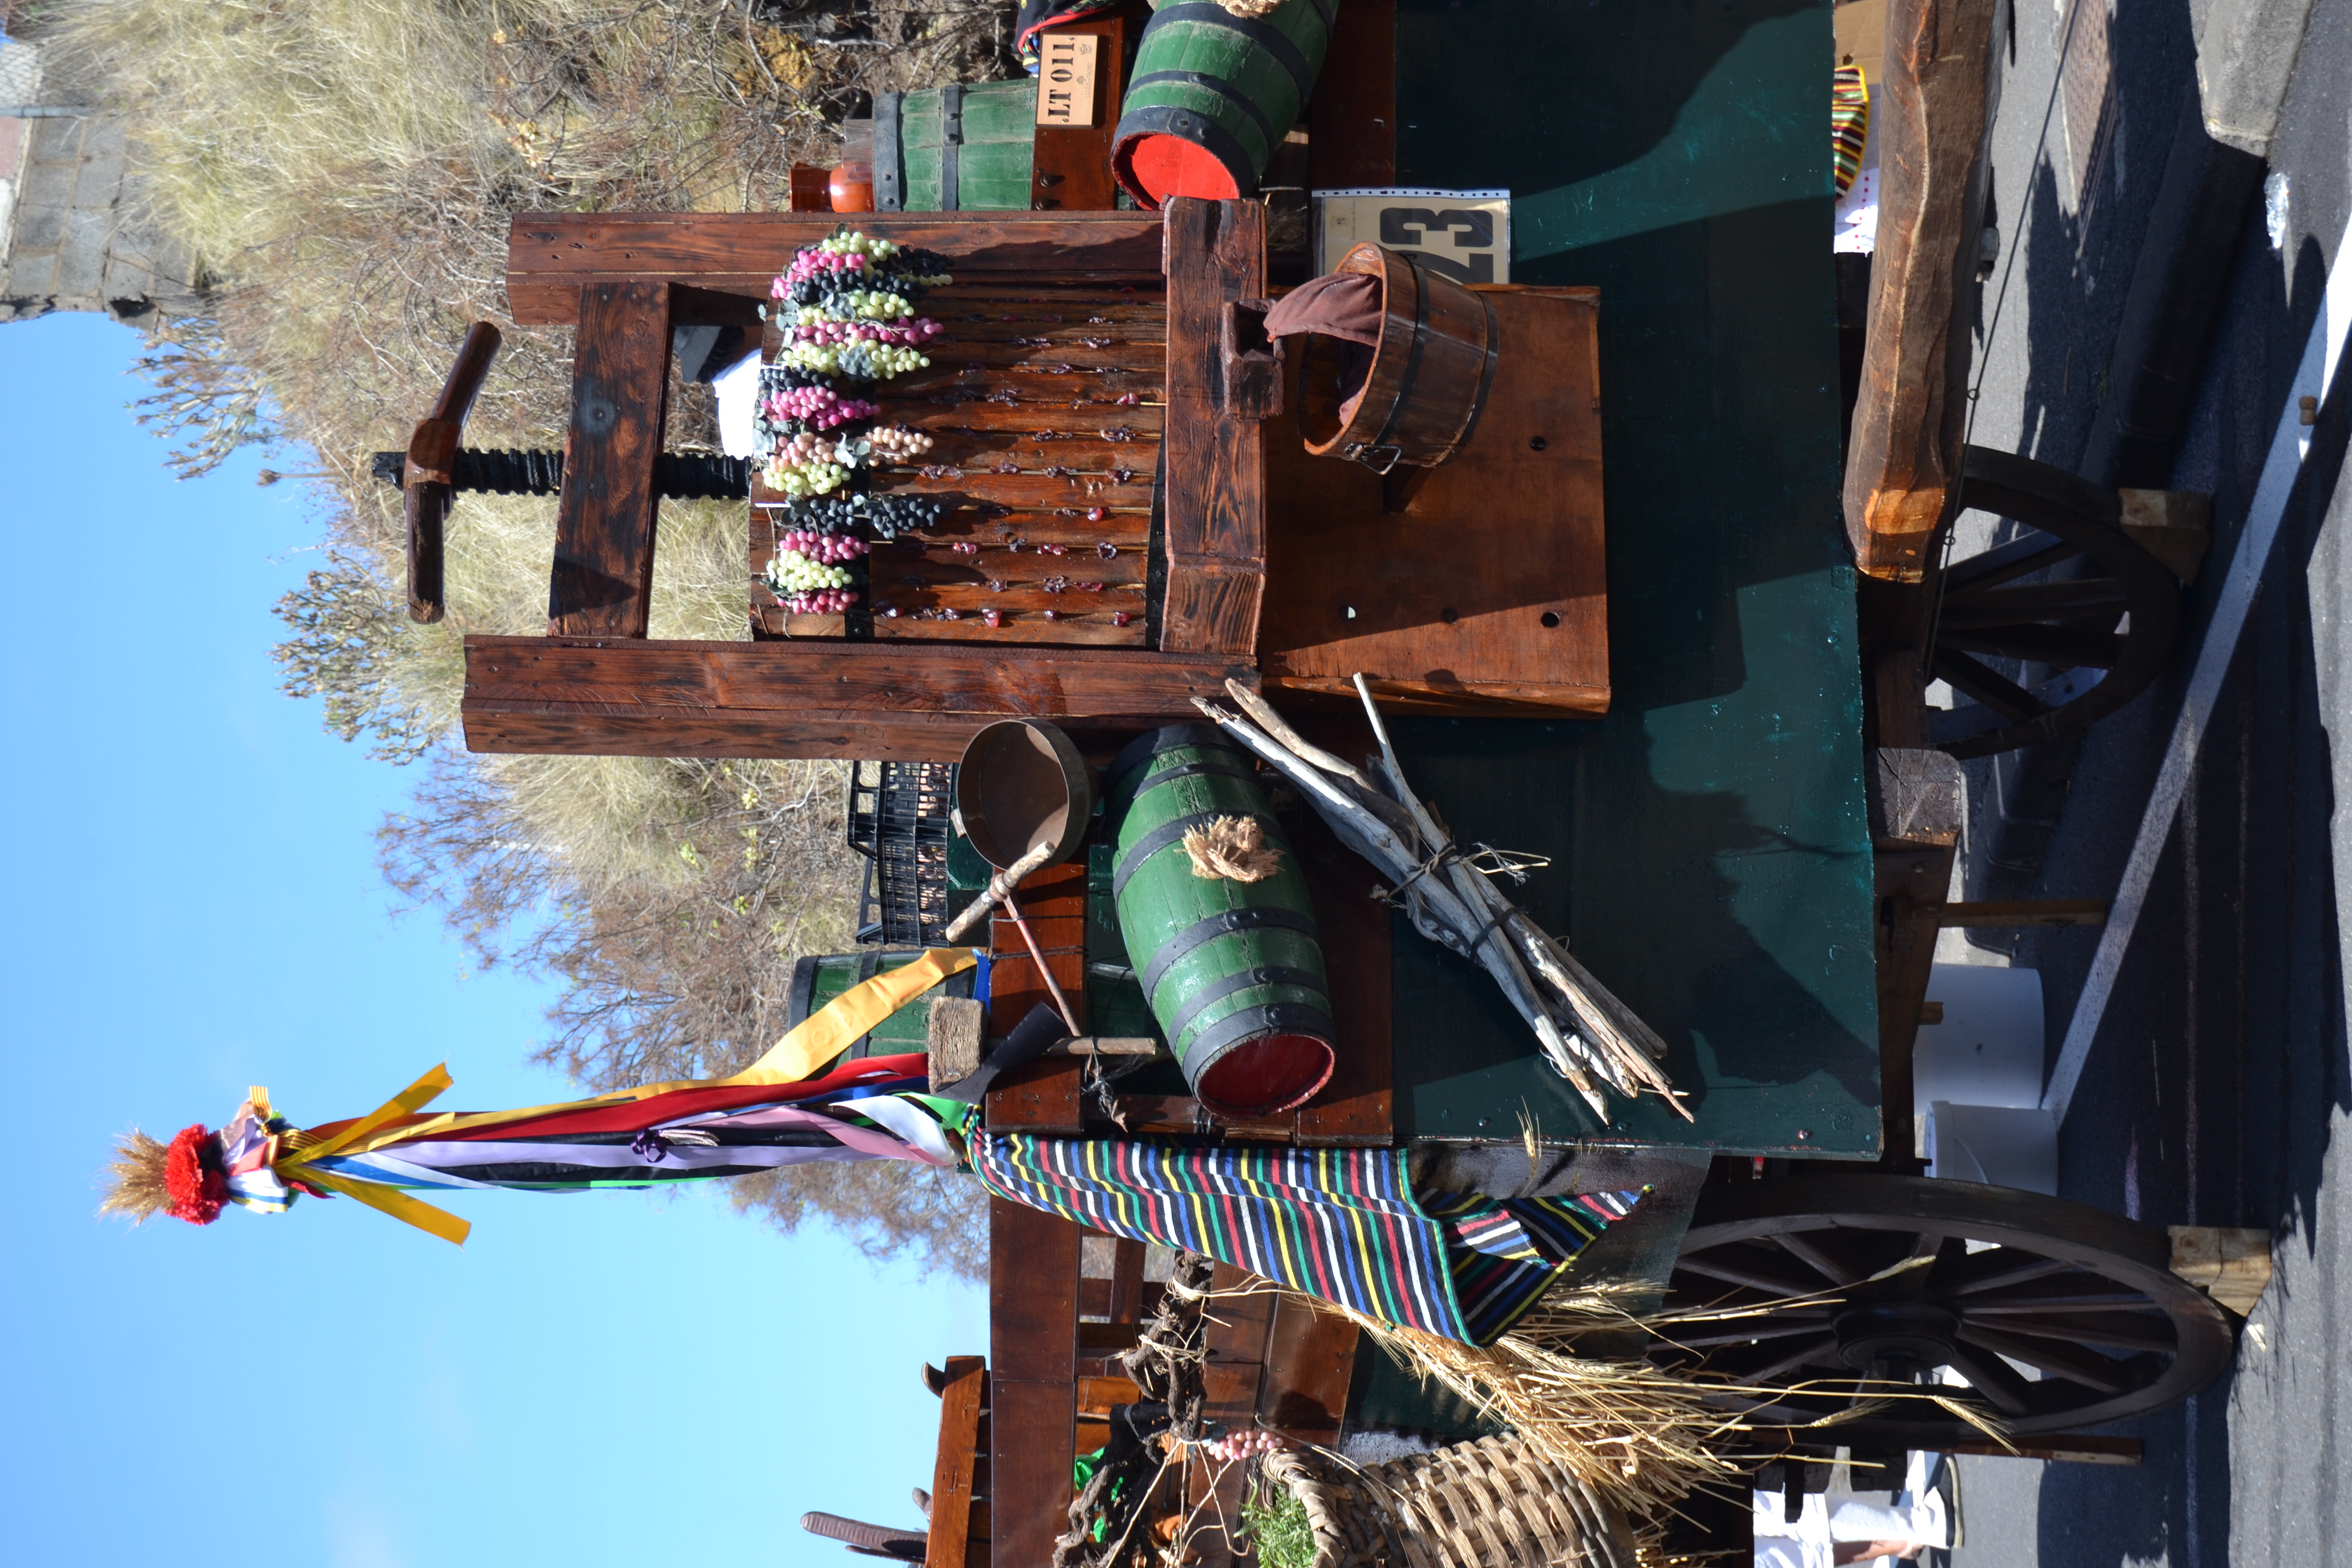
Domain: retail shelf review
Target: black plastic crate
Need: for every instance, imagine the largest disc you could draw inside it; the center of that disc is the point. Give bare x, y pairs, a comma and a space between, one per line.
899, 820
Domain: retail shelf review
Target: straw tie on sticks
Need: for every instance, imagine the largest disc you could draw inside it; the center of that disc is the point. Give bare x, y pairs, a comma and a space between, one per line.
1589, 1036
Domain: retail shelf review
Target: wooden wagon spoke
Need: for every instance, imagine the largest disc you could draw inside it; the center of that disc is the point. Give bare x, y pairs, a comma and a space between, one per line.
1823, 1346
2080, 599
1754, 1333
1994, 1378
2087, 1368
1824, 1256
2023, 557
2118, 1330
1996, 692
1734, 1269
1984, 1306
2002, 1265
2069, 648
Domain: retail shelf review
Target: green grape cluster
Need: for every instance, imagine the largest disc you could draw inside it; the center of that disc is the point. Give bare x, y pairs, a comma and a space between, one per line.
859, 361
789, 571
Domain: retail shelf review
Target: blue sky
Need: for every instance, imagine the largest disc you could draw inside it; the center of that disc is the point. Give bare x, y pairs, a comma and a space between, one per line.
605, 1378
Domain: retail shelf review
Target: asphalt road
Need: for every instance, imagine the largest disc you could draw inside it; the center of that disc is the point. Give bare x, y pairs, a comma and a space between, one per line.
2219, 1090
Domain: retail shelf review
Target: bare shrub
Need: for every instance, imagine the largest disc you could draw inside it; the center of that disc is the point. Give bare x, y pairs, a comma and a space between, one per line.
346, 173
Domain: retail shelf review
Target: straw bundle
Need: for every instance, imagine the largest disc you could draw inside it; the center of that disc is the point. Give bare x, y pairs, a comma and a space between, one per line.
1641, 1439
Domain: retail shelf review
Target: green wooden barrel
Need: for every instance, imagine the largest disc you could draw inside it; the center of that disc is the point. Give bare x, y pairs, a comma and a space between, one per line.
906, 1032
1234, 970
950, 149
1214, 94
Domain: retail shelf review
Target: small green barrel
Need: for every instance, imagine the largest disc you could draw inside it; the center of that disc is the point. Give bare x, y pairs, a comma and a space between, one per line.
906, 1032
1213, 96
1234, 970
950, 149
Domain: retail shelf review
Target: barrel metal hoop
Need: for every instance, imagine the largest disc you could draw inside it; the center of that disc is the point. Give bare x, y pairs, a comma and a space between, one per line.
1412, 359
1140, 751
1486, 377
1200, 1003
1169, 833
1250, 1023
1185, 125
886, 154
951, 147
1196, 770
1222, 923
1223, 88
1270, 39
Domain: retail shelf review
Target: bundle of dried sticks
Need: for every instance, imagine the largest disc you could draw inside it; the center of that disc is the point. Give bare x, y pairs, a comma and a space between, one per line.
1594, 1041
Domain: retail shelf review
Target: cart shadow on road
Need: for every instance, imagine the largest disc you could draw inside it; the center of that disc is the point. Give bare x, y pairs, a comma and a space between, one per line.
2222, 1069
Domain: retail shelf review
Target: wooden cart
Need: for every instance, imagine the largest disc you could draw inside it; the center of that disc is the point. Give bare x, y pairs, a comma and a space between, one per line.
1722, 742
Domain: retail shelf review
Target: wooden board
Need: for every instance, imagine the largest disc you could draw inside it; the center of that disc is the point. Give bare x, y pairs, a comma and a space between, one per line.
1903, 461
1233, 1332
1357, 1106
1214, 495
603, 576
1069, 165
1487, 590
906, 701
549, 256
1353, 117
1033, 1267
1311, 1360
954, 1469
1041, 1097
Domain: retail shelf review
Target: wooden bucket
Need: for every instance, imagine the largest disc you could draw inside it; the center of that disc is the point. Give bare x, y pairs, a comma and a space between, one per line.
1233, 971
1212, 95
947, 149
1430, 372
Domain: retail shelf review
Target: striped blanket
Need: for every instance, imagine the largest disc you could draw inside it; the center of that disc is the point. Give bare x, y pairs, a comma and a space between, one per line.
1343, 1225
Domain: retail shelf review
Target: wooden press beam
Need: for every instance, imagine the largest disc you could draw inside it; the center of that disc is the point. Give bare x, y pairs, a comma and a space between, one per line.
1212, 495
895, 701
551, 257
1033, 1361
958, 1532
1069, 165
1903, 462
604, 578
1916, 804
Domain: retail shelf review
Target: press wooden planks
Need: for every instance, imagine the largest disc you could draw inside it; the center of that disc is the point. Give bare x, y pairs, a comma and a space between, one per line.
1214, 495
1479, 586
595, 696
549, 256
1032, 1378
1041, 1097
603, 580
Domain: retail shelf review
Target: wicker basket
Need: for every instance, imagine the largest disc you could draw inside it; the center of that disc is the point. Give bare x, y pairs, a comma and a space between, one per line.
1489, 1504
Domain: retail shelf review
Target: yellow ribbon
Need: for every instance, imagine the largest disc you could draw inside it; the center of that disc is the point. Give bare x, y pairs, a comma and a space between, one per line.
816, 1040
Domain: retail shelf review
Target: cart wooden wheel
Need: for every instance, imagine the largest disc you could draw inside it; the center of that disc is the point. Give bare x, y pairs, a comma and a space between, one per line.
2075, 622
1862, 1278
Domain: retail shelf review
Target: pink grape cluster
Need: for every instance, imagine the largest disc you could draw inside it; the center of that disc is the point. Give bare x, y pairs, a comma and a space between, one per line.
826, 548
1236, 1447
818, 405
823, 601
895, 442
811, 261
815, 328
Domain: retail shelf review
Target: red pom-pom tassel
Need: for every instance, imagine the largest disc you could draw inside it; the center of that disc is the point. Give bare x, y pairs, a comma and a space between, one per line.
197, 1187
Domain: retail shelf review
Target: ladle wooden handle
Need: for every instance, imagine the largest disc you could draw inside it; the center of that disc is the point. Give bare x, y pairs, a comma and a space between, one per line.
999, 887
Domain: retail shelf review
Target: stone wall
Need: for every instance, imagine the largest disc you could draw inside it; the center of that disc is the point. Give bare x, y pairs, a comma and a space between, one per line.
71, 235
